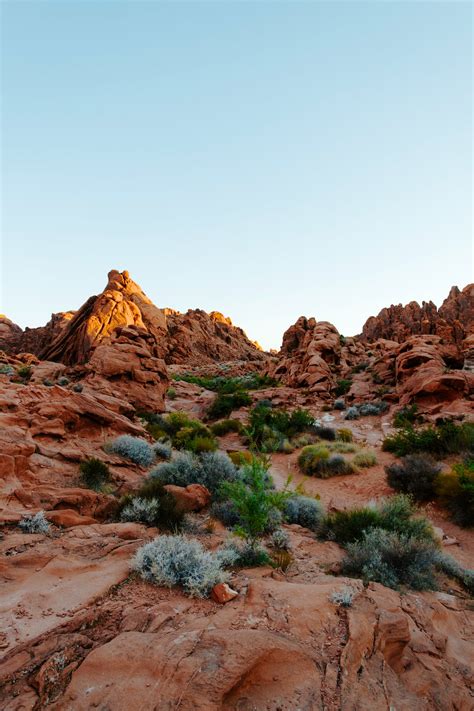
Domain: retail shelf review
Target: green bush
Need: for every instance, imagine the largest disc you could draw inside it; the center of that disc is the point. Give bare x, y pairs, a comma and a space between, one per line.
456, 492
446, 438
152, 505
94, 473
392, 559
342, 387
222, 384
365, 459
406, 417
183, 431
240, 458
223, 427
316, 460
171, 393
268, 426
344, 435
24, 372
415, 474
396, 513
254, 501
225, 403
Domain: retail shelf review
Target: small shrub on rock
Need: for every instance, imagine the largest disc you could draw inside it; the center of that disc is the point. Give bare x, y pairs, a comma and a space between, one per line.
339, 404
162, 450
94, 473
406, 417
177, 560
342, 387
280, 540
415, 474
137, 450
344, 435
243, 555
224, 404
141, 511
456, 491
35, 524
223, 427
344, 597
317, 460
167, 515
24, 372
63, 381
209, 469
171, 393
352, 413
392, 559
304, 511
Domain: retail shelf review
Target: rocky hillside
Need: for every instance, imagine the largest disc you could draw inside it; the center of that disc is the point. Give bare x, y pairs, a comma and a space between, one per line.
83, 626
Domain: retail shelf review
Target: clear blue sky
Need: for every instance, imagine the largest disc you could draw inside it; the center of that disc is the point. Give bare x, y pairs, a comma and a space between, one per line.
265, 159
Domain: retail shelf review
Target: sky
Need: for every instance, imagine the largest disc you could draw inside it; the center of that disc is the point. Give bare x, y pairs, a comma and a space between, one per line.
264, 159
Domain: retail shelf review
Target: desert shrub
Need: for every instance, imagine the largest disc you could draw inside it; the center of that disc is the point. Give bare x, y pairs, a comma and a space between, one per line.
342, 447
141, 511
365, 459
167, 515
225, 403
225, 512
344, 597
162, 450
406, 417
63, 381
94, 473
171, 393
456, 491
327, 433
339, 404
254, 501
450, 567
228, 385
343, 386
6, 369
268, 426
209, 469
78, 388
177, 560
392, 559
316, 460
373, 408
135, 449
35, 524
304, 440
242, 555
280, 539
396, 514
304, 511
240, 458
223, 427
360, 367
352, 413
415, 474
344, 435
49, 383
24, 372
446, 438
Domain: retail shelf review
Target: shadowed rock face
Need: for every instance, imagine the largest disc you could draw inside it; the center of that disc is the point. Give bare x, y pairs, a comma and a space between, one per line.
453, 321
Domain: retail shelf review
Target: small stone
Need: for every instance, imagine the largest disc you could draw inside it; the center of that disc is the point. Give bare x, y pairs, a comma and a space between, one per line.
222, 593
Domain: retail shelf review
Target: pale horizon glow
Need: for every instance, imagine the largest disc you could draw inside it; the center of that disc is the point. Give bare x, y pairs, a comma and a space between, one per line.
263, 159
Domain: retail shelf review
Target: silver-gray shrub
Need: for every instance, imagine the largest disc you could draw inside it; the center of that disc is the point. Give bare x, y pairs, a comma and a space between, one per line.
280, 539
136, 449
210, 469
344, 597
352, 413
35, 524
177, 560
304, 511
450, 567
162, 450
141, 511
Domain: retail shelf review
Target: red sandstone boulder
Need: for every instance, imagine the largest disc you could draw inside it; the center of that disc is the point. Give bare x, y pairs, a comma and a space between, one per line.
193, 497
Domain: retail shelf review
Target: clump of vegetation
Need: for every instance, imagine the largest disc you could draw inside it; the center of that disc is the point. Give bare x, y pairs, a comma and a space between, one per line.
243, 555
78, 388
183, 431
269, 430
304, 511
137, 450
352, 413
450, 567
177, 560
254, 500
35, 524
446, 438
153, 505
317, 460
223, 427
456, 491
365, 459
94, 473
327, 433
209, 469
63, 381
226, 385
48, 383
225, 403
344, 597
342, 387
280, 540
396, 514
415, 474
339, 404
162, 450
240, 458
392, 559
6, 369
360, 367
344, 435
24, 372
406, 417
171, 393
373, 408
342, 447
